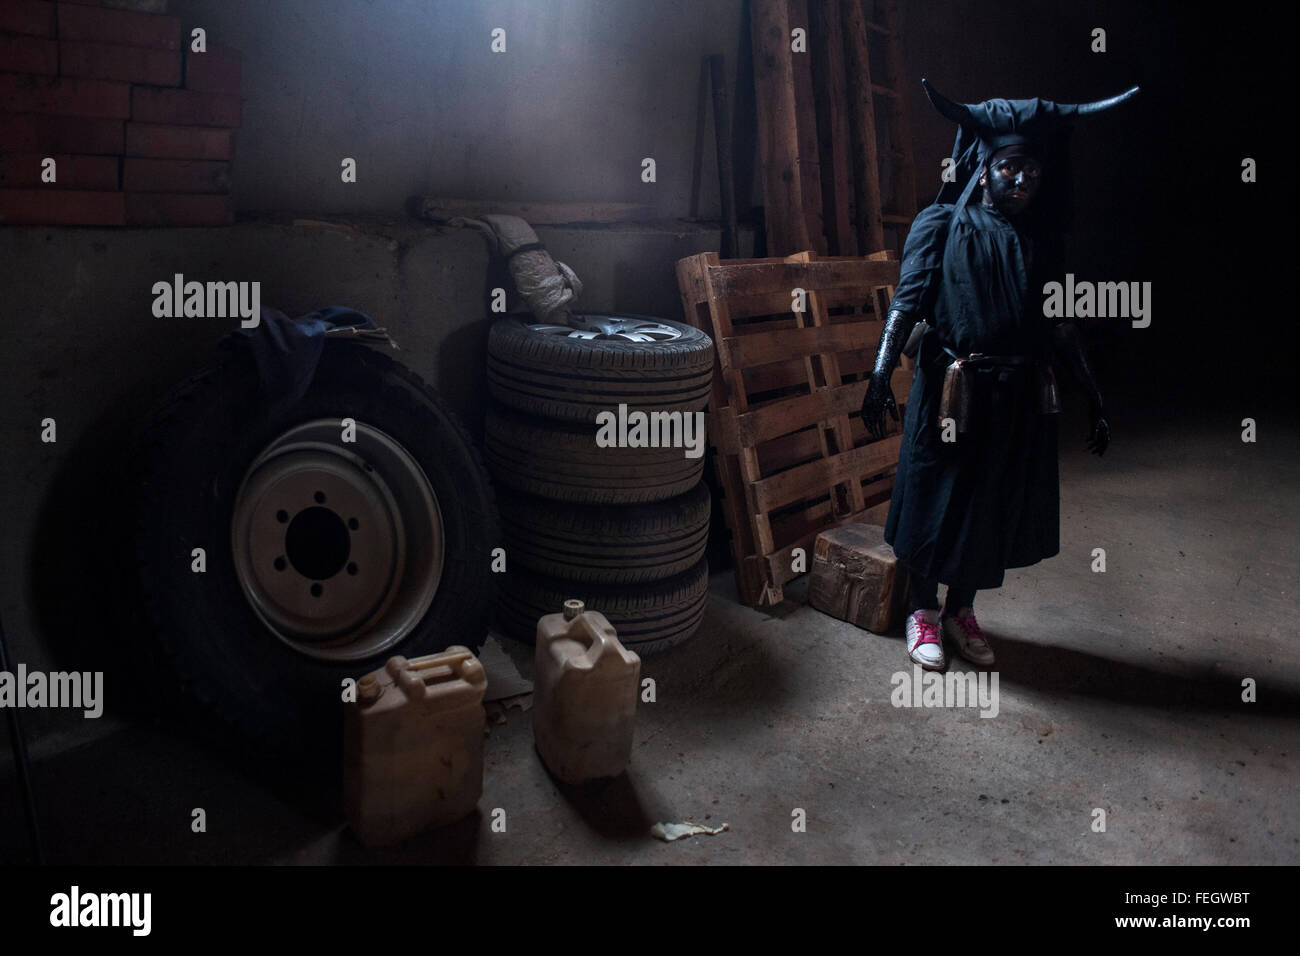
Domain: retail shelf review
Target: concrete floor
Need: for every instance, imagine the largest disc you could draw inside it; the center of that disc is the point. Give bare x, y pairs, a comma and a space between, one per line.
1119, 691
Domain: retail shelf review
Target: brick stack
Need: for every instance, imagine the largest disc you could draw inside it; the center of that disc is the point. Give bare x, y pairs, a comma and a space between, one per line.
142, 130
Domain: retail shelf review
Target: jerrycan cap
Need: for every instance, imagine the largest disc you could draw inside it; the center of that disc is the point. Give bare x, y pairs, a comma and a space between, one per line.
572, 608
369, 689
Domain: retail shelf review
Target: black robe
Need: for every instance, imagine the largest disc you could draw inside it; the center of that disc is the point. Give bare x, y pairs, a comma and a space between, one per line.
962, 512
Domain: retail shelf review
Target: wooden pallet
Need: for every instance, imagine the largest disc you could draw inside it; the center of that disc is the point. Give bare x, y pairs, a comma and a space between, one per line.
792, 455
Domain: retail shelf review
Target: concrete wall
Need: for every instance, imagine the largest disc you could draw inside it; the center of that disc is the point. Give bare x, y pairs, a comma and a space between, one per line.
411, 89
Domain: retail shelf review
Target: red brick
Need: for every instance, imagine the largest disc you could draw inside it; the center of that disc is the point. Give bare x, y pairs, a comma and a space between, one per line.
179, 142
183, 107
73, 172
94, 25
143, 6
175, 176
29, 17
216, 71
64, 95
35, 132
61, 207
166, 209
131, 63
29, 55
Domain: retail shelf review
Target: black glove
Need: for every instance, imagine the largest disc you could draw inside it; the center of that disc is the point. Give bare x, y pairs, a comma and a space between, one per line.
1099, 437
880, 396
1069, 346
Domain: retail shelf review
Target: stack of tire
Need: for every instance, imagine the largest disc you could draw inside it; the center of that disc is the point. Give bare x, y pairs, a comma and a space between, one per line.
623, 529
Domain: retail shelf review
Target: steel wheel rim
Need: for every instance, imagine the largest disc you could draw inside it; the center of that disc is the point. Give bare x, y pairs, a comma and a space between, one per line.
609, 327
338, 546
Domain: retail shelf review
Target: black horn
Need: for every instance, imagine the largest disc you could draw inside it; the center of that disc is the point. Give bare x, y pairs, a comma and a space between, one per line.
956, 112
1083, 109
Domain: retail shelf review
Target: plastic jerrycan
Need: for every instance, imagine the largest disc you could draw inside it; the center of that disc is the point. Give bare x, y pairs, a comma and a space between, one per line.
413, 745
585, 687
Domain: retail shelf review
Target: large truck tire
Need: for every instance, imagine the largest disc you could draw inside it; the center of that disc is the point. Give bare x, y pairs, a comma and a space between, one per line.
324, 550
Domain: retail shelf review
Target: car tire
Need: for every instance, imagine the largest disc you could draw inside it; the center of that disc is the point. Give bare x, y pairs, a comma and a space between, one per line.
597, 362
606, 544
649, 619
561, 461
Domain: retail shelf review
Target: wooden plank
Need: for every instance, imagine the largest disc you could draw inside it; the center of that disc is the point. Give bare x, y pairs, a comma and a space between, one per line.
788, 451
729, 280
749, 573
804, 480
743, 351
900, 122
774, 419
440, 209
783, 375
777, 127
796, 448
747, 460
846, 496
805, 105
775, 303
725, 153
827, 44
697, 284
862, 128
787, 415
781, 454
812, 366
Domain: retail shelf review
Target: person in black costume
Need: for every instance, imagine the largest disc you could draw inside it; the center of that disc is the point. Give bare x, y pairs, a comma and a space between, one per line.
977, 489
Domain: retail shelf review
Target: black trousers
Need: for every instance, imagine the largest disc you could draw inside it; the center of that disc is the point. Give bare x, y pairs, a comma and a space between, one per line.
924, 593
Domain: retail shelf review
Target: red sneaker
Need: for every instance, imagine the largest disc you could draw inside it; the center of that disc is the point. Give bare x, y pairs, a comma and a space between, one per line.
964, 631
924, 645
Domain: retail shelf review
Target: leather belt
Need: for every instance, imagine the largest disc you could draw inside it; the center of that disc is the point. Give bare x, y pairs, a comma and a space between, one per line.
980, 360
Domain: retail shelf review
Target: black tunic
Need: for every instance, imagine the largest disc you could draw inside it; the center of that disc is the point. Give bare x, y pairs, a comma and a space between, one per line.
962, 512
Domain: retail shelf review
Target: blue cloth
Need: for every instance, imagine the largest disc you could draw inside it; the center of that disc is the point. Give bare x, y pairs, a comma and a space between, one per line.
963, 512
287, 350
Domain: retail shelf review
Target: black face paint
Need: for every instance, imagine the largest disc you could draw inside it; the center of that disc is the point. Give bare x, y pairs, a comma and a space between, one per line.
1010, 184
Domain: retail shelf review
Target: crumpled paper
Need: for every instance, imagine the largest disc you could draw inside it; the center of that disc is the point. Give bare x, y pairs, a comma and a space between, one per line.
668, 832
